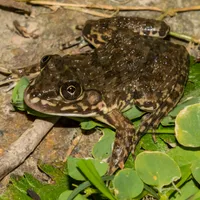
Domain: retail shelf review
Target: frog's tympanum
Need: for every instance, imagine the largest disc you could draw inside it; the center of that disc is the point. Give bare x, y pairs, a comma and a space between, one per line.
129, 69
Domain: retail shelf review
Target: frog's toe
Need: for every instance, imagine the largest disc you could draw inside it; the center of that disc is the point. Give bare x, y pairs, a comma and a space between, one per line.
9, 80
79, 41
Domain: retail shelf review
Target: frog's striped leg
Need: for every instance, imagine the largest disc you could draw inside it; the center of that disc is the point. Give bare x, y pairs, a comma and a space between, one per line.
125, 133
152, 120
78, 41
14, 75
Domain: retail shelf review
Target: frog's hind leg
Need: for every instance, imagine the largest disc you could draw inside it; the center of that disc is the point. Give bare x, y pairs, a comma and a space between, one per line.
152, 120
125, 133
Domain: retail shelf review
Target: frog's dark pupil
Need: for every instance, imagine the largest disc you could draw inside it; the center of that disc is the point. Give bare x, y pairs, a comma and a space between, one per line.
71, 89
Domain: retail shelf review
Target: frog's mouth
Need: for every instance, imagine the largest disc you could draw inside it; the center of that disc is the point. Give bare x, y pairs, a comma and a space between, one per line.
87, 106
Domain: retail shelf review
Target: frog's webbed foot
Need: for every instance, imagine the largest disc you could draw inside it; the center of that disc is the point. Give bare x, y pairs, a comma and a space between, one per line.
14, 75
11, 78
78, 41
125, 133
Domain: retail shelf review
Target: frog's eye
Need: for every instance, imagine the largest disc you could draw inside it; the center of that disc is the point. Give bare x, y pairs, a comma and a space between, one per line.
44, 60
70, 90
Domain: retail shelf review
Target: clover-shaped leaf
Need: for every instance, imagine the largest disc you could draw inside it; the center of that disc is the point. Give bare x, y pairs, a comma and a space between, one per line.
187, 128
127, 184
157, 169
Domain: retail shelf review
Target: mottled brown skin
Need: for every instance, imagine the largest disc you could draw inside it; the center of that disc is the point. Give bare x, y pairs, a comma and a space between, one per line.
128, 70
99, 32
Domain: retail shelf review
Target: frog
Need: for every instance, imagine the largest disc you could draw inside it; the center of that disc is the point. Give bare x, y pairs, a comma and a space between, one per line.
126, 69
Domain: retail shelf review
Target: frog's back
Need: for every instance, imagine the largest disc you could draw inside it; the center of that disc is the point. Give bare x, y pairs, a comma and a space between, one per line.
144, 73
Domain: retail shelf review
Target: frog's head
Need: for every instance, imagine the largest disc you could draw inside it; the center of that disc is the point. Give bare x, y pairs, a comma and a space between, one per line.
59, 91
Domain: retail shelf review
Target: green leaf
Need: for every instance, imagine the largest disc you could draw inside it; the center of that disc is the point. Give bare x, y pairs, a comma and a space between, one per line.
18, 94
56, 174
157, 169
130, 162
195, 196
14, 194
85, 185
103, 148
52, 191
169, 139
66, 194
33, 182
185, 174
19, 186
184, 156
194, 78
148, 143
127, 184
188, 189
88, 169
191, 98
75, 173
133, 113
196, 170
90, 124
17, 189
187, 128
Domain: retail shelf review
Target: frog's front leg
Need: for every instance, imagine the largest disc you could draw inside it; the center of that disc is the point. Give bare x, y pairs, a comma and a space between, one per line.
14, 75
125, 135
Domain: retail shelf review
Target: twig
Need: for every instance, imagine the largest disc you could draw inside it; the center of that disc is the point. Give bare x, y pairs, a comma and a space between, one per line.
192, 8
92, 6
168, 12
171, 12
184, 37
11, 4
75, 142
91, 12
25, 145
